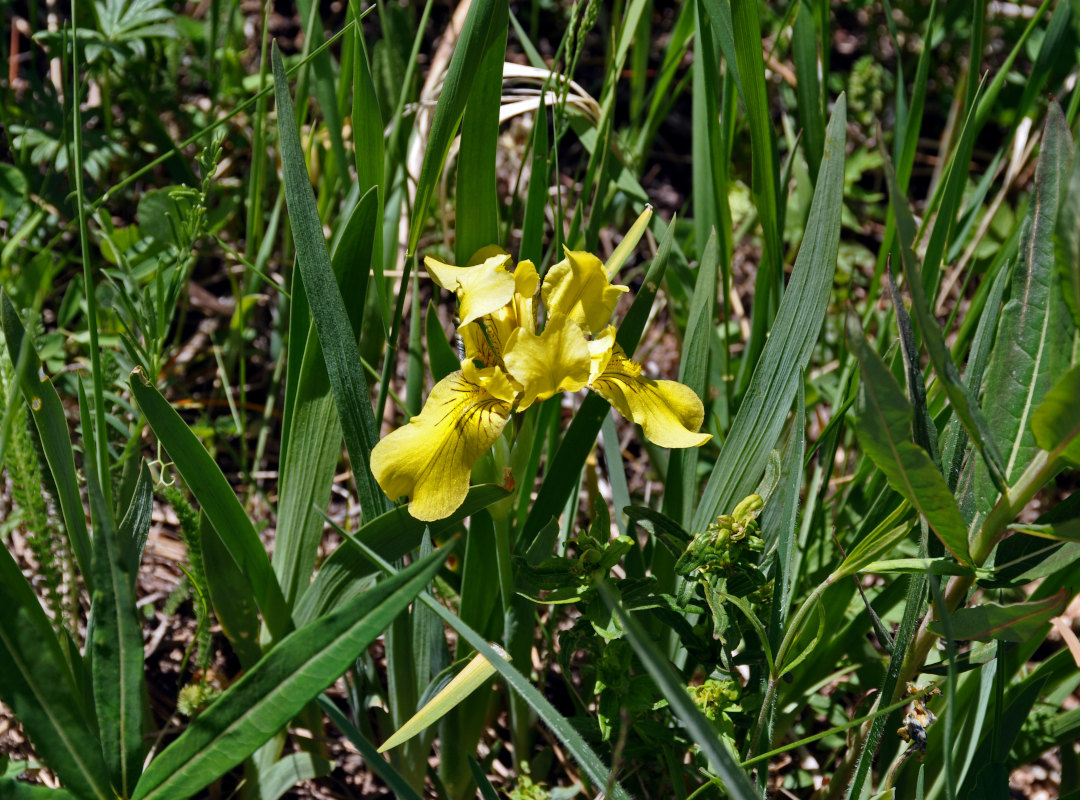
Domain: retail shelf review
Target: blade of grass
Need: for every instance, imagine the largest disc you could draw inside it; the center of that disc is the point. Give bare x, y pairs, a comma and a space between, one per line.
313, 447
116, 642
476, 221
774, 384
101, 454
328, 309
480, 26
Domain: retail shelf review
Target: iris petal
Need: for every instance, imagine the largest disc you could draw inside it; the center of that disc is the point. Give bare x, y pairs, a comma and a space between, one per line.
579, 287
668, 412
481, 290
486, 338
557, 360
430, 459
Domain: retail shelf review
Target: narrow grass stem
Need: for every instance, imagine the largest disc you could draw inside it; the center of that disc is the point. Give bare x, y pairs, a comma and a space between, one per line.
102, 454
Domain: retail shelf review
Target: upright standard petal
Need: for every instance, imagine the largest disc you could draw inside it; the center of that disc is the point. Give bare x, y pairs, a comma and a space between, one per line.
430, 459
481, 289
486, 338
557, 360
579, 287
668, 412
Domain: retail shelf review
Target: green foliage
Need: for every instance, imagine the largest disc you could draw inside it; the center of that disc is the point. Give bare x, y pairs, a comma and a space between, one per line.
235, 311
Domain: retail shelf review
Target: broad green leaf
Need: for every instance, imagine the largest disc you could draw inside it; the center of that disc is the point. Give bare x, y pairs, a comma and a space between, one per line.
476, 216
270, 694
1067, 240
1034, 337
883, 424
135, 526
290, 770
313, 447
702, 732
47, 411
479, 27
235, 609
1056, 422
328, 311
963, 401
681, 483
116, 642
217, 498
1017, 622
773, 387
393, 534
13, 789
36, 683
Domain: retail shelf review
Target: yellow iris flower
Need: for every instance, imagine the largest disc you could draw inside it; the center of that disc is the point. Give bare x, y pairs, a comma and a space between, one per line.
509, 365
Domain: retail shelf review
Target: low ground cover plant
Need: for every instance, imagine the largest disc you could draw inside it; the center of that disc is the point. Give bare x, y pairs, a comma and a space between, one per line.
546, 400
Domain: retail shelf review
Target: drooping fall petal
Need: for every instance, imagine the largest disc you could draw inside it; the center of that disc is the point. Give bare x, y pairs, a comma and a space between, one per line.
668, 412
481, 289
579, 287
557, 360
430, 459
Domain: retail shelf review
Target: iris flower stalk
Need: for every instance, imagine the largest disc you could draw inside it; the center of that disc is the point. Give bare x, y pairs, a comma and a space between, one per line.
511, 363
